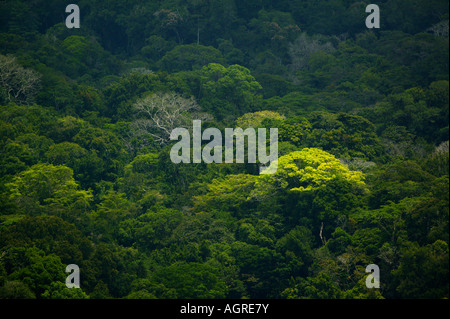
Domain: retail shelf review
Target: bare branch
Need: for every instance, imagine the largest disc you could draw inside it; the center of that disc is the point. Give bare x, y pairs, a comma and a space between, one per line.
17, 84
157, 115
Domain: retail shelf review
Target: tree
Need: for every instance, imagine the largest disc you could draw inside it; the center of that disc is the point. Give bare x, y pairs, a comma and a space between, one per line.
171, 21
439, 29
292, 104
255, 119
423, 271
16, 290
104, 144
58, 290
428, 220
66, 240
231, 54
160, 113
397, 180
86, 165
297, 247
113, 209
228, 91
121, 93
360, 291
321, 286
437, 163
34, 268
307, 170
303, 47
45, 187
191, 280
258, 269
189, 57
86, 175
156, 48
85, 55
295, 130
273, 29
17, 84
228, 194
150, 230
344, 135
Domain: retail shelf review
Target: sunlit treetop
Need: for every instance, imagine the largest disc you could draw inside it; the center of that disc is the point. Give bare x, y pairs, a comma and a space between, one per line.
308, 170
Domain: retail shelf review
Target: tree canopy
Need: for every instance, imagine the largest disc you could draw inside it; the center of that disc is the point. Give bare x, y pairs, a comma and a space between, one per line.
362, 174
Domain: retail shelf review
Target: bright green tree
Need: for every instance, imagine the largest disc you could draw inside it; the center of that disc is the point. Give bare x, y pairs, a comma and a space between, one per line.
48, 188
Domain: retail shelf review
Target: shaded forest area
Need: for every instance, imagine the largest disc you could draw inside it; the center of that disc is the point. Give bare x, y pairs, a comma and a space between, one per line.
86, 177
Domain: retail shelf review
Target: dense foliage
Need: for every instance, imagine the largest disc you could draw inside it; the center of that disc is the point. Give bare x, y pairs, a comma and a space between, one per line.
363, 177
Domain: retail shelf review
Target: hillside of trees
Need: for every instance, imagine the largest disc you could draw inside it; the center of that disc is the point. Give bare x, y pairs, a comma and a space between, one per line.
86, 176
